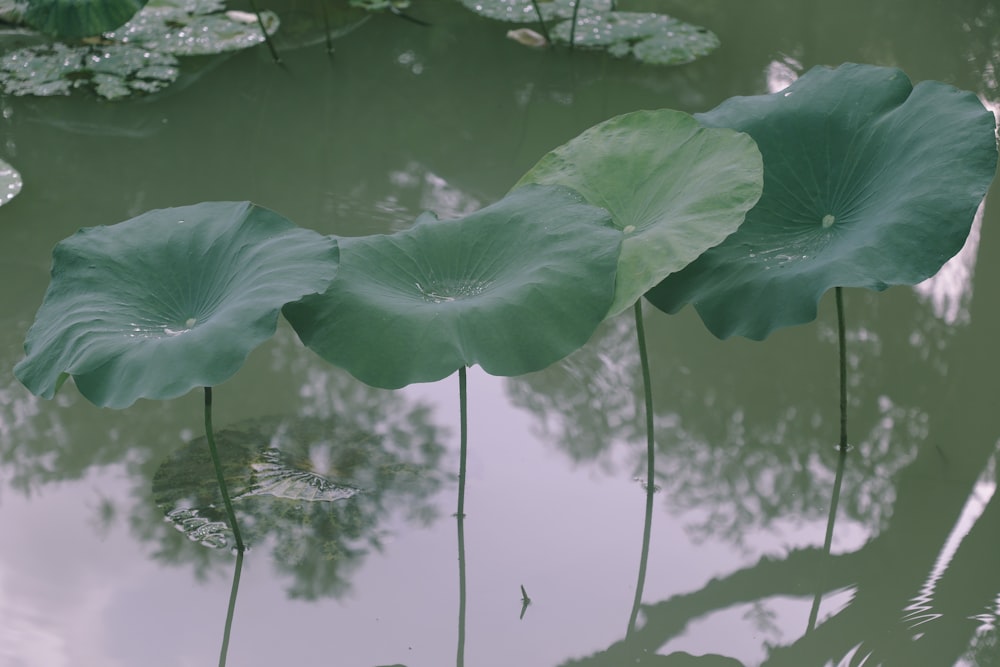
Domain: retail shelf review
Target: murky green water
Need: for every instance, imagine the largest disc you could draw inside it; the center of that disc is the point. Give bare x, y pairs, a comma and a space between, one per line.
405, 118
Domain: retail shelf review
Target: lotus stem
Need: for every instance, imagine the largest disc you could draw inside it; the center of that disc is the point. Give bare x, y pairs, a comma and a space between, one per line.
828, 540
240, 547
650, 469
841, 337
541, 21
232, 608
460, 515
326, 26
267, 37
572, 28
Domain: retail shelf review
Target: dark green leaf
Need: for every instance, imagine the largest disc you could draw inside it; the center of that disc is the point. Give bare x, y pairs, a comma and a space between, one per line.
512, 287
868, 182
170, 300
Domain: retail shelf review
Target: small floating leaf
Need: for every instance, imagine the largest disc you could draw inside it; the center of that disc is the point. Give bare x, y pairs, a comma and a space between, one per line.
657, 39
73, 19
523, 11
112, 71
10, 182
186, 28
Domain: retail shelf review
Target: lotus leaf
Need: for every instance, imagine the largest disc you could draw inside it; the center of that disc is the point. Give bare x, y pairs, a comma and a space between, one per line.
10, 182
189, 28
170, 300
73, 19
113, 71
657, 39
513, 287
868, 182
674, 187
523, 11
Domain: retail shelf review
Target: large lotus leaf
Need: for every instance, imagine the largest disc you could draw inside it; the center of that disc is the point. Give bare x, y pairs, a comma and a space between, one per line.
170, 300
72, 19
10, 182
512, 287
674, 187
190, 27
113, 71
868, 182
523, 11
657, 39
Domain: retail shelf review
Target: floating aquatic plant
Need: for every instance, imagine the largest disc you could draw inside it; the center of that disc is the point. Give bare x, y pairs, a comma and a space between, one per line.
139, 57
656, 39
73, 19
10, 182
112, 71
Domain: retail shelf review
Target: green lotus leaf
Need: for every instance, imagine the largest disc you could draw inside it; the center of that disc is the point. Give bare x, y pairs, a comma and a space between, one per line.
10, 182
73, 19
657, 39
193, 27
113, 71
170, 300
512, 287
868, 182
523, 11
674, 187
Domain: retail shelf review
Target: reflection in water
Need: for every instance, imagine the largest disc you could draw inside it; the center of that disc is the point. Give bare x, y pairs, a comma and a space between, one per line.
949, 291
311, 491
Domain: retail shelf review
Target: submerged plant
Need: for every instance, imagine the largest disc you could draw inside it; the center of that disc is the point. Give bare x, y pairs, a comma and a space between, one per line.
675, 189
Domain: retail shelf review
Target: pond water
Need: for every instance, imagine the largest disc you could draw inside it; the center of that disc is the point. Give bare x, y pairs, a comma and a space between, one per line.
404, 118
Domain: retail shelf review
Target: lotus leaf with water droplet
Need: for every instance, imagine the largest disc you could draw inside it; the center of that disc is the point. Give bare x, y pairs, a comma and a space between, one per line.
193, 27
10, 182
657, 39
73, 19
868, 182
512, 287
674, 187
523, 11
113, 71
170, 300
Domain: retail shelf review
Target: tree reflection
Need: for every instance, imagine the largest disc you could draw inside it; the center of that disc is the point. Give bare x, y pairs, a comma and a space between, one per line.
311, 491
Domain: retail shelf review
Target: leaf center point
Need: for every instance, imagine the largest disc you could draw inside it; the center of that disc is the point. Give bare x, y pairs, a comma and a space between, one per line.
828, 221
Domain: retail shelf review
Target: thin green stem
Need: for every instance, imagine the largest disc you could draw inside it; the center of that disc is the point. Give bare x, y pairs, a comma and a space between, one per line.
232, 608
572, 26
842, 447
541, 21
263, 30
240, 548
326, 26
828, 540
460, 515
841, 337
650, 468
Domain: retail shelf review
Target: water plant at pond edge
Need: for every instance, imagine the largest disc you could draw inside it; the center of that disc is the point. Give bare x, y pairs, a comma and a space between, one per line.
675, 189
868, 182
168, 301
513, 287
73, 19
